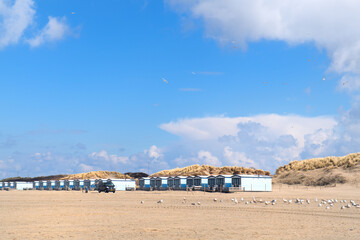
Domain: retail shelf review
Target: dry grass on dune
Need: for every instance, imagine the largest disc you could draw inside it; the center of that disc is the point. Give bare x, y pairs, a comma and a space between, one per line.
316, 163
208, 170
321, 171
95, 175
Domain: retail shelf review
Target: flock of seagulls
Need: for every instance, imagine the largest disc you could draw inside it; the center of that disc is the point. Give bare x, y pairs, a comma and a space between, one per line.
327, 203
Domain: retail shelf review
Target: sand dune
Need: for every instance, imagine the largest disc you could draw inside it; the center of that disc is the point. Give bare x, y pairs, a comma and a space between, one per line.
208, 170
96, 175
321, 171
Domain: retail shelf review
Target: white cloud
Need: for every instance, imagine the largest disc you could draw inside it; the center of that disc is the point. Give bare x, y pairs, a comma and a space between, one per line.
17, 21
153, 152
113, 158
86, 168
238, 158
263, 141
14, 19
206, 157
329, 24
212, 128
55, 29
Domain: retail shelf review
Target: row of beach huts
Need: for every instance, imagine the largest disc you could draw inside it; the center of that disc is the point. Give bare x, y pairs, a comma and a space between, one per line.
219, 183
90, 184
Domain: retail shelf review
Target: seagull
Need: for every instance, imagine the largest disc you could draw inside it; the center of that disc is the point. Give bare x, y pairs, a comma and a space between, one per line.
160, 201
142, 202
215, 199
72, 13
345, 83
165, 80
324, 79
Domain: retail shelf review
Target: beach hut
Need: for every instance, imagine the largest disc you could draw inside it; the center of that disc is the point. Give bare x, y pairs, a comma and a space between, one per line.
190, 182
69, 184
59, 184
5, 185
170, 182
89, 184
51, 185
1, 185
223, 182
81, 182
236, 180
12, 185
201, 182
36, 185
144, 183
77, 184
152, 183
211, 183
256, 183
23, 185
180, 183
124, 184
161, 183
43, 185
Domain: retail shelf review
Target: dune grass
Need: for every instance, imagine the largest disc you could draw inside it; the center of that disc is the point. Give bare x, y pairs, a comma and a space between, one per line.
208, 170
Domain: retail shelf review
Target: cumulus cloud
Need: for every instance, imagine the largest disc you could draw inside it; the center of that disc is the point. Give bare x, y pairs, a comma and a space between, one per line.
238, 158
256, 141
329, 24
86, 168
153, 152
113, 158
206, 157
208, 128
16, 19
55, 29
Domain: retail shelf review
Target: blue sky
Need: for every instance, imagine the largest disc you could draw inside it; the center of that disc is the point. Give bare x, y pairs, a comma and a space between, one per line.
82, 84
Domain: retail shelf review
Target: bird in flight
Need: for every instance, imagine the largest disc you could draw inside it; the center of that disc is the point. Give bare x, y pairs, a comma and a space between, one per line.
73, 13
165, 80
345, 82
323, 78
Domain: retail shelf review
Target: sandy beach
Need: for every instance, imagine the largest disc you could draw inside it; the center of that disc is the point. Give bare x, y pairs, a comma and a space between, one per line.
77, 215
